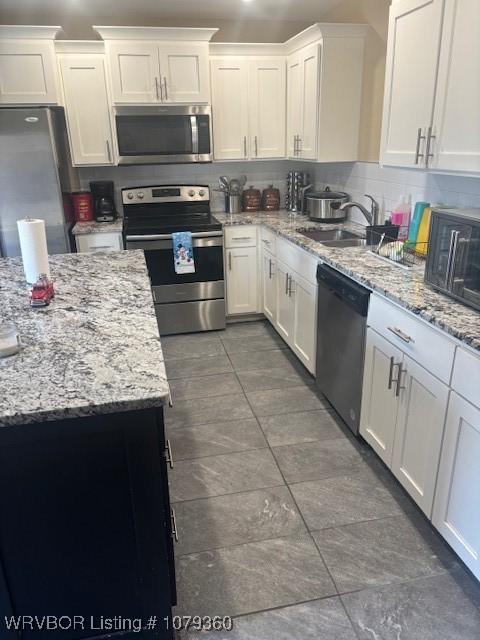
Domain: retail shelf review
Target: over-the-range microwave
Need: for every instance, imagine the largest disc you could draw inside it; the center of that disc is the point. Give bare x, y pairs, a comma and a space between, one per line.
453, 260
164, 134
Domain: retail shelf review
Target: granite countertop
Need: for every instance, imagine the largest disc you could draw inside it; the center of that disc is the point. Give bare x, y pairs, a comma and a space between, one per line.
94, 350
406, 287
83, 228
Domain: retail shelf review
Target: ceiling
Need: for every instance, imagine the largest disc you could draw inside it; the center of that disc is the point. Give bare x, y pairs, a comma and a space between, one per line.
289, 10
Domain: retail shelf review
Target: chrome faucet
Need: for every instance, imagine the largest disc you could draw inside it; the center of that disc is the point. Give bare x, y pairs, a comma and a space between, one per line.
371, 216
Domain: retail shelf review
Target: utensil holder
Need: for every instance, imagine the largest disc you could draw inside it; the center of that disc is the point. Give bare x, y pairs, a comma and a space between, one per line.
233, 203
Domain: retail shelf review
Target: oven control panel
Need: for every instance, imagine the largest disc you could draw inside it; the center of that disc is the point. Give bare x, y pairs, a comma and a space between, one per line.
165, 193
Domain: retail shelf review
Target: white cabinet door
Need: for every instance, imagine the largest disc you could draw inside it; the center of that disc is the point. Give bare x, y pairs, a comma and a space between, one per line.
307, 145
456, 512
27, 72
412, 58
135, 72
285, 304
230, 108
184, 73
242, 287
294, 103
304, 345
269, 288
419, 431
379, 402
267, 98
456, 121
87, 109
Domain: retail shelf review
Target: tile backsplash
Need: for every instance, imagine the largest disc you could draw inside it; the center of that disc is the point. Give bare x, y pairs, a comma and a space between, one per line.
386, 184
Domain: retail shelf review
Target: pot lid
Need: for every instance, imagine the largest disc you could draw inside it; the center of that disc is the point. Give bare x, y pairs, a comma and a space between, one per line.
326, 195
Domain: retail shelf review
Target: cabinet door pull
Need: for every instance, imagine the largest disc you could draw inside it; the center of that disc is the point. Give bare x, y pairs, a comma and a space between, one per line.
420, 137
109, 155
229, 260
390, 374
290, 281
399, 333
428, 153
156, 88
244, 146
401, 371
166, 90
269, 268
294, 146
286, 284
174, 525
169, 457
256, 147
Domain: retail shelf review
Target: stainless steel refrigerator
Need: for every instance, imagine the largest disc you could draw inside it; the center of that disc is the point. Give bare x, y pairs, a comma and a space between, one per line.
35, 169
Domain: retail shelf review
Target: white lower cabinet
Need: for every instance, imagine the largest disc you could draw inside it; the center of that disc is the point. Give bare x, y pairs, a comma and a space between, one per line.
456, 512
419, 430
379, 400
285, 305
403, 416
241, 276
93, 242
269, 286
305, 322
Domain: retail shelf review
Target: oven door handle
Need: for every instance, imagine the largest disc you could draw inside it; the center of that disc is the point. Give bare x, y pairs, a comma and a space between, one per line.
168, 236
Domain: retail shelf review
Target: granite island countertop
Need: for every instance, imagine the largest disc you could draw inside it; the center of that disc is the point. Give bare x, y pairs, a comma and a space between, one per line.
94, 350
406, 287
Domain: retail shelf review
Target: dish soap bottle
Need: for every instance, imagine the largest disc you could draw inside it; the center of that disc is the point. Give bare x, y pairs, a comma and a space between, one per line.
401, 217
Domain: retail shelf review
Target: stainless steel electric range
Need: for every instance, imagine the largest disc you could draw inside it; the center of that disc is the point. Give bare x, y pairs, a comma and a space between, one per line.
183, 302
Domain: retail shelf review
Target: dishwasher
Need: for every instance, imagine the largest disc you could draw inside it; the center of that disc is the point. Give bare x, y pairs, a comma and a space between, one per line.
341, 334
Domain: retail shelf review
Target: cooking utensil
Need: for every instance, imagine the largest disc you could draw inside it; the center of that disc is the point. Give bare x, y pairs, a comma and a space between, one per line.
223, 183
325, 205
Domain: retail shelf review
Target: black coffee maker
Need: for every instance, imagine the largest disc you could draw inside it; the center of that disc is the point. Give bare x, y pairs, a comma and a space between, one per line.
103, 200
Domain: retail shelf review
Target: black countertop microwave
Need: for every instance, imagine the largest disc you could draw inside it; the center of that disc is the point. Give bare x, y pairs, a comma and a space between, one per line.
164, 134
453, 261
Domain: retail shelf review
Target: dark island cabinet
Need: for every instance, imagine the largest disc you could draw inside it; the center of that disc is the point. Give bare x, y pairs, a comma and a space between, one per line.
85, 529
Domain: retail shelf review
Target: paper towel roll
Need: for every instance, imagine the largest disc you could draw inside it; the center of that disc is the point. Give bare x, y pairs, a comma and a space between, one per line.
33, 245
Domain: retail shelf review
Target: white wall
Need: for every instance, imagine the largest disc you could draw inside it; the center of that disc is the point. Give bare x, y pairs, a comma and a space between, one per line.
387, 185
259, 174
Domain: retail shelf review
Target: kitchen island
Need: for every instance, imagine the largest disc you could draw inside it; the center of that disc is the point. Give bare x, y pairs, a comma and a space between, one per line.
85, 521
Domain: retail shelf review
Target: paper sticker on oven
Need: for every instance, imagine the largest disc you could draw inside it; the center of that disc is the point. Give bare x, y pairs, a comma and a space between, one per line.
183, 252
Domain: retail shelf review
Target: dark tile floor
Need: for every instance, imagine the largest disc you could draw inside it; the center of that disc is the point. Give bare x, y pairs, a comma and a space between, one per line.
286, 521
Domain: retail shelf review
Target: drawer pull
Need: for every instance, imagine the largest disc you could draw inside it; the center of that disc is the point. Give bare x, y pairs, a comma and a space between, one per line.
169, 457
266, 242
174, 525
399, 333
242, 238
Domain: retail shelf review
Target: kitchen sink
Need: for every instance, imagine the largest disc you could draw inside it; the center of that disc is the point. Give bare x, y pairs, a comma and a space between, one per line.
334, 237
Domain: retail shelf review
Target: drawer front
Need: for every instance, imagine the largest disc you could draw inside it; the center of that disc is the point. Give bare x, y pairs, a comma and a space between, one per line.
241, 236
268, 240
298, 260
466, 376
425, 345
99, 242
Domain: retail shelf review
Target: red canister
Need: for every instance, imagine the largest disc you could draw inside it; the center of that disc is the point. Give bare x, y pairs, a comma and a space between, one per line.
83, 206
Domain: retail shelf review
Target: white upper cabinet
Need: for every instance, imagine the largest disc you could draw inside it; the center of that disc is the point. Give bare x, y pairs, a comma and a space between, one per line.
230, 108
267, 99
158, 64
432, 93
412, 58
456, 121
184, 72
324, 92
28, 65
248, 106
134, 71
87, 108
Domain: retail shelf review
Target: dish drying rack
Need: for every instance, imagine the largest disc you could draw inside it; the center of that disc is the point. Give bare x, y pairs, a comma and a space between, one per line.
403, 253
